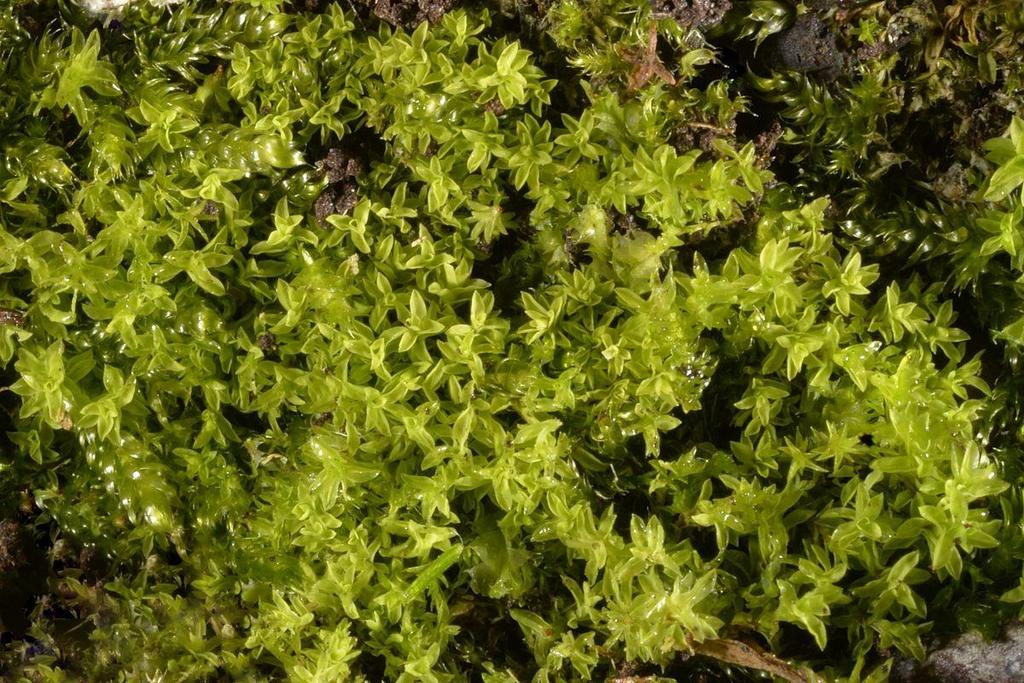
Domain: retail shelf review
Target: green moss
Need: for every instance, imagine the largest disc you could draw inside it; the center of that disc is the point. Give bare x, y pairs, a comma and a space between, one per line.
509, 347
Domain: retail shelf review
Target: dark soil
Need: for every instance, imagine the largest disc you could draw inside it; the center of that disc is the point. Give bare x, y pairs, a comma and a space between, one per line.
985, 120
339, 165
898, 34
953, 184
337, 198
340, 168
211, 208
409, 13
765, 143
267, 343
808, 47
495, 107
12, 546
627, 223
694, 13
9, 317
825, 5
21, 581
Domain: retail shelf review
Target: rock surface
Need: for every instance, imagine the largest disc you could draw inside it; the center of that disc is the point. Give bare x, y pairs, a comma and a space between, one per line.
969, 659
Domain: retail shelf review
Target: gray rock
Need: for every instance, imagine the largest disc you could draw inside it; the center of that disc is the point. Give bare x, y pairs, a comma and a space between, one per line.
969, 659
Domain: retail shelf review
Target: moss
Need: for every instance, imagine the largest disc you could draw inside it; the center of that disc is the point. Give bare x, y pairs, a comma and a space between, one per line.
547, 340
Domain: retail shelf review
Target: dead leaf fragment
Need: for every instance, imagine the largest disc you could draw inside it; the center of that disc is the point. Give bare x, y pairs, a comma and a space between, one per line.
753, 657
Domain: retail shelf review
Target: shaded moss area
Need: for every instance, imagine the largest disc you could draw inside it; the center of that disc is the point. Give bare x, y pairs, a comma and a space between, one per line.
422, 340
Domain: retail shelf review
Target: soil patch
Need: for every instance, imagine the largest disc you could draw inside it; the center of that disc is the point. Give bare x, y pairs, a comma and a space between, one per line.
808, 47
340, 168
409, 13
695, 13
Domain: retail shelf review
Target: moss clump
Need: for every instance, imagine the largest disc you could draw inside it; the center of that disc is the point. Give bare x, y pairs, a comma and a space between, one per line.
528, 341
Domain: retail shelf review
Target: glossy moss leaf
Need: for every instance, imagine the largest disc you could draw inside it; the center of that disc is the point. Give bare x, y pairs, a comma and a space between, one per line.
1007, 178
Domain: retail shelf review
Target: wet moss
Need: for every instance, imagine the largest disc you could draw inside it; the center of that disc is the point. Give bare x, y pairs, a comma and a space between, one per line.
573, 340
